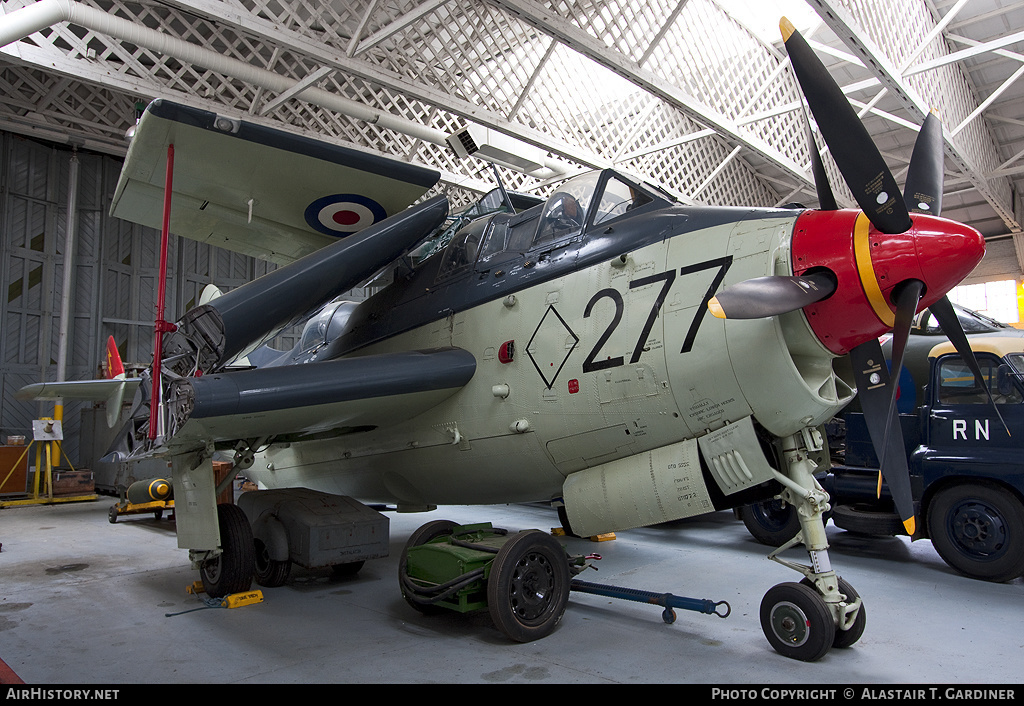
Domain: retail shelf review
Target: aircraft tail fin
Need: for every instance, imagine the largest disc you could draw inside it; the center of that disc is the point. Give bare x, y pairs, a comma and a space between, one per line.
115, 371
115, 368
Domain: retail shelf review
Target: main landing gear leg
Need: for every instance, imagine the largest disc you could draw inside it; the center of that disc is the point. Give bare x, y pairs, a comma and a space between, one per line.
218, 537
804, 620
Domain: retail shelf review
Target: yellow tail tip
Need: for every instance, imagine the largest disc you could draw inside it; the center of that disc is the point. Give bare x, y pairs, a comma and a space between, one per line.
715, 308
787, 29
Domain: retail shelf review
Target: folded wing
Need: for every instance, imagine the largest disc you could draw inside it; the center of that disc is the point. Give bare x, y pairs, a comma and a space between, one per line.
256, 190
304, 401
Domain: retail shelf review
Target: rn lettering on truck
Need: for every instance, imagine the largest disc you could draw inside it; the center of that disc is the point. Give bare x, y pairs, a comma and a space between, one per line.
960, 429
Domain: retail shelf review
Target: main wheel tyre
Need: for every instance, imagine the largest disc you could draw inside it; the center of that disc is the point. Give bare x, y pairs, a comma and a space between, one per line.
563, 519
429, 531
528, 587
270, 573
978, 529
232, 570
772, 522
846, 638
797, 622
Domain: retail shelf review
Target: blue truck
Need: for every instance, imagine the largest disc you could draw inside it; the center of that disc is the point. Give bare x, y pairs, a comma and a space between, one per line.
966, 459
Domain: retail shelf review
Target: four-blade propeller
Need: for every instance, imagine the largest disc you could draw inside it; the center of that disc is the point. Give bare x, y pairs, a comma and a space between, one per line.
875, 190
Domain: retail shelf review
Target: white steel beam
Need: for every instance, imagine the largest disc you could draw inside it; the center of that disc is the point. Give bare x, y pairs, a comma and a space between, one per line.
967, 53
82, 70
397, 26
839, 19
546, 20
275, 35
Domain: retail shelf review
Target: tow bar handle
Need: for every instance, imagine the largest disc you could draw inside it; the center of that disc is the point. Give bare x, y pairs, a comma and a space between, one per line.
666, 600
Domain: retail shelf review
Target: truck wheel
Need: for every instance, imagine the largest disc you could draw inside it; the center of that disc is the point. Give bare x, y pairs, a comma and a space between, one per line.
772, 522
864, 519
232, 570
978, 529
528, 587
797, 622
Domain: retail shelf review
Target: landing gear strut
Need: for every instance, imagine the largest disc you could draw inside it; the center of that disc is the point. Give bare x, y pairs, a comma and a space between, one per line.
805, 620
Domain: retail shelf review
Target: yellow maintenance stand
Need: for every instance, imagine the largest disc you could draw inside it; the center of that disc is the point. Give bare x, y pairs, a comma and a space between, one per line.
47, 435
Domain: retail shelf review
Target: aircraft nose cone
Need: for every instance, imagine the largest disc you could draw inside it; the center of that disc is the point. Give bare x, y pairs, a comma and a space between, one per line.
868, 265
947, 252
936, 251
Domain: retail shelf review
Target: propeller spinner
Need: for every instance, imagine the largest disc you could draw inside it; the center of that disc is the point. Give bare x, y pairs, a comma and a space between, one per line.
858, 275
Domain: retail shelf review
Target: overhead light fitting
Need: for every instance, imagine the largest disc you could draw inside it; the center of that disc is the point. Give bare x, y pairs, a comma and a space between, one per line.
493, 146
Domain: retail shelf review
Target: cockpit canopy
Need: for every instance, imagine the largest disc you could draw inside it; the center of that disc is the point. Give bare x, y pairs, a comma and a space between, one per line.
585, 201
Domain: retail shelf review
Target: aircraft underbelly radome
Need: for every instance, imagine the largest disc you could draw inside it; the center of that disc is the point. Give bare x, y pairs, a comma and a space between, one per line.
611, 361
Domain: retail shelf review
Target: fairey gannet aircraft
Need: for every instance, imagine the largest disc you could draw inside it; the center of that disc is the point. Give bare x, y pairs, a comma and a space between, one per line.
563, 352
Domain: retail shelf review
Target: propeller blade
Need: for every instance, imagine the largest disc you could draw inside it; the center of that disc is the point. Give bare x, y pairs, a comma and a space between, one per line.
923, 190
859, 161
873, 389
950, 323
770, 296
906, 297
826, 199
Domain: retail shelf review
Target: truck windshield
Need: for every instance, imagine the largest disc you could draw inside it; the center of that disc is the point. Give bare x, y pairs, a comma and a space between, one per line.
1016, 360
957, 384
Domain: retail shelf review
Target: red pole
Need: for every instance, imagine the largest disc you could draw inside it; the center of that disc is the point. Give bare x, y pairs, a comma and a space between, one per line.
160, 325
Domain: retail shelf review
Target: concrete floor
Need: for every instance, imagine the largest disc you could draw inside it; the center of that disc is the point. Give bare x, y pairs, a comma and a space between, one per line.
84, 601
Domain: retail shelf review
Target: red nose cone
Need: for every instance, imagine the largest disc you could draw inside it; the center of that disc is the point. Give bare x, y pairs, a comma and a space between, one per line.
868, 264
947, 252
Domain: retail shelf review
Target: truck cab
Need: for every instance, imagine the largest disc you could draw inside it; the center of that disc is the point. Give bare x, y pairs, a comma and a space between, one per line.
966, 469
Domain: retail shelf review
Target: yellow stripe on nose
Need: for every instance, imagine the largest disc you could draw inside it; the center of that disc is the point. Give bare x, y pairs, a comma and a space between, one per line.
866, 270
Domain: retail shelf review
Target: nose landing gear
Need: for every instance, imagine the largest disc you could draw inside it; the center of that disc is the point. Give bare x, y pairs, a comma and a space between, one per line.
805, 620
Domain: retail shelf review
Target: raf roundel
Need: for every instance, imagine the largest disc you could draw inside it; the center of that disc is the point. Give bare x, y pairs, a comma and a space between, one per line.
343, 214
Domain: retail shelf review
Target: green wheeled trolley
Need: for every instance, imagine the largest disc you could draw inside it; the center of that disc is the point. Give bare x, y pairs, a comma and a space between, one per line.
522, 579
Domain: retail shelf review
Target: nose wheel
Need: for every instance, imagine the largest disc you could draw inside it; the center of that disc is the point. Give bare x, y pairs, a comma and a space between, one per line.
797, 622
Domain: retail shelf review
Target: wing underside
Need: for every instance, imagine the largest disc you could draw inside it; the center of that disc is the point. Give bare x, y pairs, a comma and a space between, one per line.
256, 190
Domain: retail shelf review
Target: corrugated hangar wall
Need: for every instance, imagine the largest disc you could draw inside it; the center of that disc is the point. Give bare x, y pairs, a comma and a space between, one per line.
114, 281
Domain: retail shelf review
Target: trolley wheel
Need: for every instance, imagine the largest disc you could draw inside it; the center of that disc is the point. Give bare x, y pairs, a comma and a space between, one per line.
528, 587
429, 531
112, 514
797, 622
232, 570
269, 573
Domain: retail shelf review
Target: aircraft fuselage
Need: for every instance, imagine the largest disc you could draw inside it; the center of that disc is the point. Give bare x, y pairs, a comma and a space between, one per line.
594, 348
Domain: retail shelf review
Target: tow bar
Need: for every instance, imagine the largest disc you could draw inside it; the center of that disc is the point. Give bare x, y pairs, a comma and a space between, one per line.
666, 600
